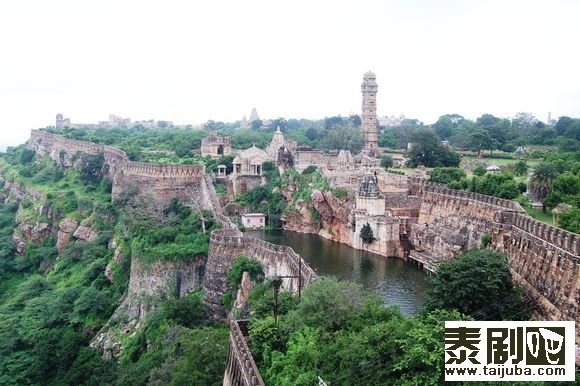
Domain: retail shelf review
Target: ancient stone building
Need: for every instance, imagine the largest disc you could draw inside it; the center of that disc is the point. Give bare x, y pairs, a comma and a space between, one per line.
369, 90
216, 145
249, 162
61, 121
370, 209
344, 161
281, 151
369, 197
254, 115
248, 169
244, 123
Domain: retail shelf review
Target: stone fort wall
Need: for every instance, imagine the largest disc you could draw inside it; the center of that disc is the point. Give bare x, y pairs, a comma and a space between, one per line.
64, 151
162, 181
185, 181
241, 370
278, 260
544, 259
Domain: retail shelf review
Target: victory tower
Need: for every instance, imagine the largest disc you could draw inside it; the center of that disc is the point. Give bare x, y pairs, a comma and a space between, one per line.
369, 90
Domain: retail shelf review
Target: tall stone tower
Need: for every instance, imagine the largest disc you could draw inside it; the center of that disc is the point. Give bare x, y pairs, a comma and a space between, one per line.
369, 90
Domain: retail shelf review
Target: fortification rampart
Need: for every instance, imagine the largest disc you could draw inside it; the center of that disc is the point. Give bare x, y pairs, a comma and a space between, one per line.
544, 259
558, 237
545, 262
64, 151
164, 182
187, 182
241, 370
166, 171
278, 260
419, 186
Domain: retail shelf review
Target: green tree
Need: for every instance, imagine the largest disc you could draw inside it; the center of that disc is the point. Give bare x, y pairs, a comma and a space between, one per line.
566, 189
199, 358
479, 140
328, 304
387, 139
311, 133
298, 365
347, 137
428, 150
183, 149
487, 120
331, 122
444, 127
422, 355
477, 283
26, 156
563, 124
479, 171
446, 175
188, 311
386, 161
502, 185
520, 168
355, 120
541, 181
92, 167
366, 234
570, 220
257, 124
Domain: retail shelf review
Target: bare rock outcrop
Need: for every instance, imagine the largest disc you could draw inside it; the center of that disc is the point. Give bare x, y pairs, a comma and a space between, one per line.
19, 244
66, 229
149, 284
85, 233
336, 215
300, 219
117, 257
240, 304
34, 233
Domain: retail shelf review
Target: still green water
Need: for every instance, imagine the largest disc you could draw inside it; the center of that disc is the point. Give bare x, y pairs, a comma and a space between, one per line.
395, 280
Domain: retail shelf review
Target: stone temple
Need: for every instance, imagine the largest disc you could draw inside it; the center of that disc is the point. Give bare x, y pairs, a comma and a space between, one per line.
215, 145
369, 91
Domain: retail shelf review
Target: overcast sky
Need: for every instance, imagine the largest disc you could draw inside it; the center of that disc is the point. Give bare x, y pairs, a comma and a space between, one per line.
190, 61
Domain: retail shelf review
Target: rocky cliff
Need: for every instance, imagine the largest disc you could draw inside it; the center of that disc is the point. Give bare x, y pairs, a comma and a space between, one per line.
325, 215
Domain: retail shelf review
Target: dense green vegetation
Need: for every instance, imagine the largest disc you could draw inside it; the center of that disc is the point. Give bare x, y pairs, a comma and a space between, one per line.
268, 199
428, 151
349, 337
554, 182
53, 303
166, 231
241, 264
477, 283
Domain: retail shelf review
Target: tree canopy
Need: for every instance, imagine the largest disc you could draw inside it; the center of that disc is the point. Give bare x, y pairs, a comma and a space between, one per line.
428, 150
477, 283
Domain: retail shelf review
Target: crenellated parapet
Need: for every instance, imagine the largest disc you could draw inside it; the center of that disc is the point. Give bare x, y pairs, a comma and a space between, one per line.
277, 260
241, 370
544, 259
188, 182
65, 151
560, 238
419, 187
163, 171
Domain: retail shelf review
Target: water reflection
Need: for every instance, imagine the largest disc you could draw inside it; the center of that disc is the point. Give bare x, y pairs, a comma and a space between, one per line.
395, 280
